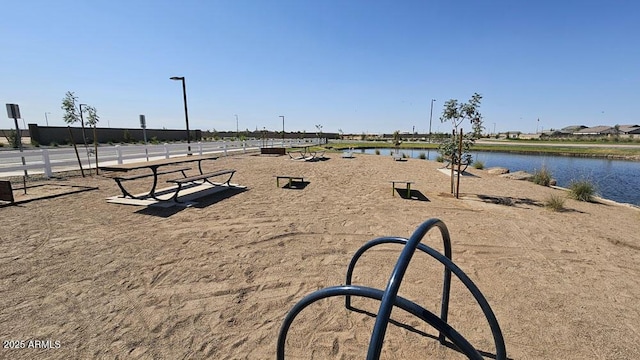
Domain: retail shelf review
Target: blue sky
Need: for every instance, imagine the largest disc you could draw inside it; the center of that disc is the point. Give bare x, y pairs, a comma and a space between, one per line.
359, 66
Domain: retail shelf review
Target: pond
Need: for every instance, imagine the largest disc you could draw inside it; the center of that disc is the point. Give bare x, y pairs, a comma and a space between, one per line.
617, 180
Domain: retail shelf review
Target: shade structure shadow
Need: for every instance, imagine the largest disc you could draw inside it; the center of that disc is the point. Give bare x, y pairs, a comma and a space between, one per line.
413, 194
202, 202
296, 185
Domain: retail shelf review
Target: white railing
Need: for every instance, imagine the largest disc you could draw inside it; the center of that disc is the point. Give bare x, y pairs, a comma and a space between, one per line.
48, 161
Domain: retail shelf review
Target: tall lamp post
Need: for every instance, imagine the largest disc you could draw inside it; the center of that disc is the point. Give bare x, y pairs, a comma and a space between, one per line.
46, 119
282, 116
237, 130
186, 113
430, 117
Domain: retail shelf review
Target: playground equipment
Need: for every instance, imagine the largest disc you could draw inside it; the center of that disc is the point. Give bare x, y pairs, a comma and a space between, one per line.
389, 297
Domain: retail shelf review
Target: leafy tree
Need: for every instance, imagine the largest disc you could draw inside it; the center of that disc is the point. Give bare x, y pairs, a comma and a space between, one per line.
319, 133
71, 112
92, 115
126, 136
12, 138
396, 138
616, 132
456, 113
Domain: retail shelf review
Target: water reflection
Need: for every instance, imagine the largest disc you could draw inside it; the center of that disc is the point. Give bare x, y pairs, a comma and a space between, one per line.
617, 180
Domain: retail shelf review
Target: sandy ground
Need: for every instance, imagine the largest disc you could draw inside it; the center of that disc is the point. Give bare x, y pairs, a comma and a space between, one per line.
216, 280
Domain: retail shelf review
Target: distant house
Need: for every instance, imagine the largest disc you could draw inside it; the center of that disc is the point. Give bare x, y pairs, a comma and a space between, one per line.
595, 130
629, 129
511, 134
568, 130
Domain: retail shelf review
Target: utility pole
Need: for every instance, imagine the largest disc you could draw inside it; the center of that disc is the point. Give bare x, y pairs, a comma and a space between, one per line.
237, 131
430, 117
282, 116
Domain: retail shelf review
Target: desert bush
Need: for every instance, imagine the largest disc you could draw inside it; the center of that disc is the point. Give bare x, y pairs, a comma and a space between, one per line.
377, 152
554, 202
12, 138
478, 164
422, 156
126, 136
581, 190
54, 144
440, 158
542, 177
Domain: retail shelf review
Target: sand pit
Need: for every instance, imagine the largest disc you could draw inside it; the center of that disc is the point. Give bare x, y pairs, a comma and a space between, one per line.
216, 279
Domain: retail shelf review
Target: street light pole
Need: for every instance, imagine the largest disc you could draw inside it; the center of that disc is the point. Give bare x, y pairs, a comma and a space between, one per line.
237, 130
46, 118
186, 112
282, 116
430, 117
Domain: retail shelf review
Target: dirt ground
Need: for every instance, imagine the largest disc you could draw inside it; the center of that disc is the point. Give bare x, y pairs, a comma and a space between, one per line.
215, 280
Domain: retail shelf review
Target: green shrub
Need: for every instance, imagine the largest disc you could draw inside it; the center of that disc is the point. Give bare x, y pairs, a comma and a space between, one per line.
542, 177
554, 203
54, 144
34, 143
126, 136
478, 164
12, 138
377, 152
422, 156
440, 158
582, 190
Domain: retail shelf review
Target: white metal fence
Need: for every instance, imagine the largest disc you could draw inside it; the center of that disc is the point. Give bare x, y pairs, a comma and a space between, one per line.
49, 161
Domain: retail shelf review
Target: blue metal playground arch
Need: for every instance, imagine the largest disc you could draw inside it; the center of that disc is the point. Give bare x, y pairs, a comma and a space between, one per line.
389, 297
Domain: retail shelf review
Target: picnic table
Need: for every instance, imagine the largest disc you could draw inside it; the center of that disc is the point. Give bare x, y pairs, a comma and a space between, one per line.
305, 153
155, 170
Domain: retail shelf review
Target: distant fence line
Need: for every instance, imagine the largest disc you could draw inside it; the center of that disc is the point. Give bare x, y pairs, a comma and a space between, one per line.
48, 135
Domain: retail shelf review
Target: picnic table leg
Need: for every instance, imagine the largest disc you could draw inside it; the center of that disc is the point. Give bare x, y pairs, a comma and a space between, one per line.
277, 181
125, 193
152, 193
408, 190
290, 182
393, 188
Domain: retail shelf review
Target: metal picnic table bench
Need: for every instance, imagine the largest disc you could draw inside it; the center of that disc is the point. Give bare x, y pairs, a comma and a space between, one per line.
155, 165
393, 185
290, 178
